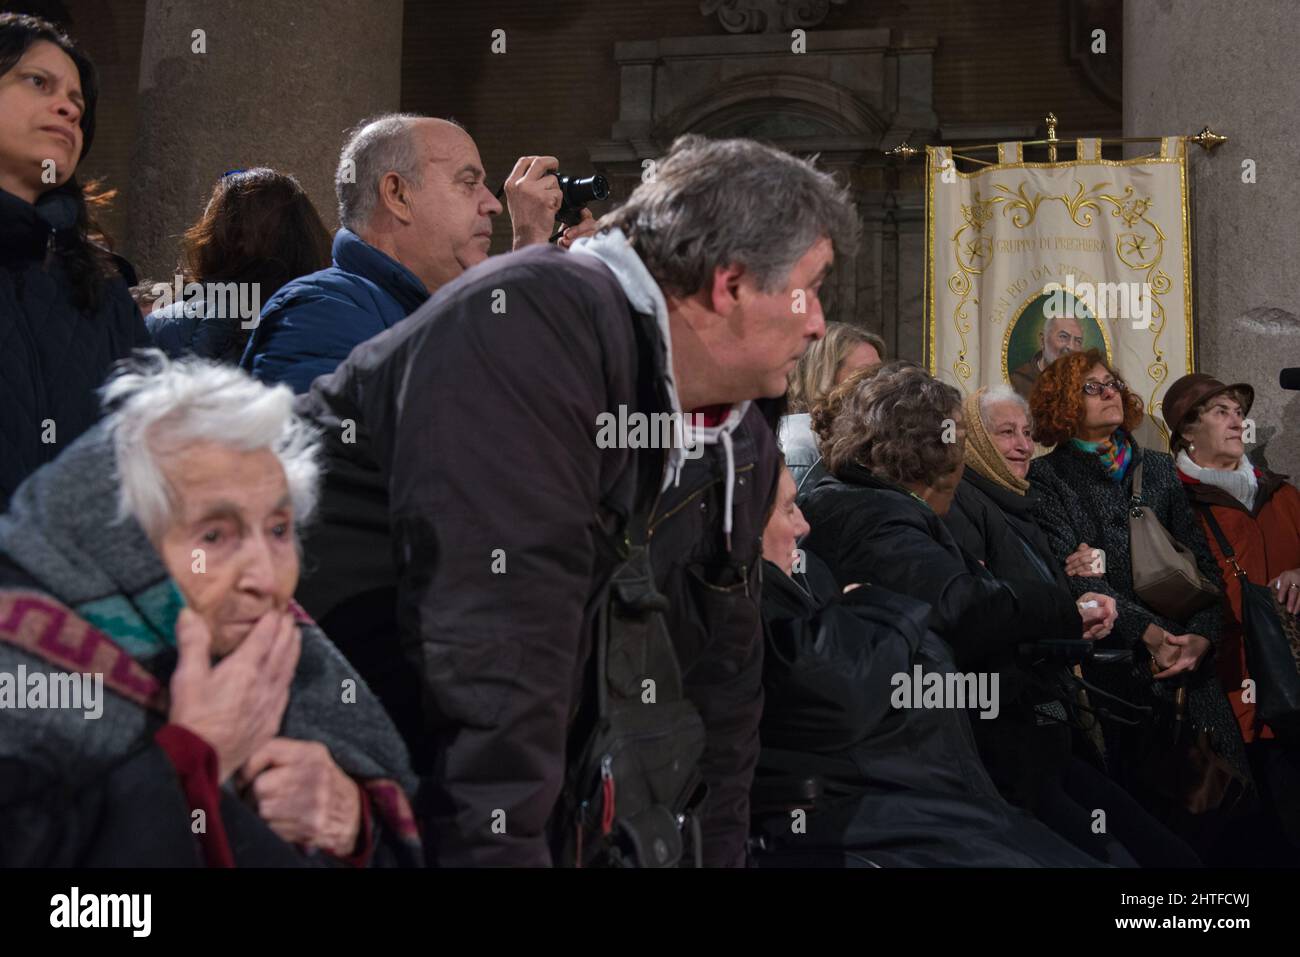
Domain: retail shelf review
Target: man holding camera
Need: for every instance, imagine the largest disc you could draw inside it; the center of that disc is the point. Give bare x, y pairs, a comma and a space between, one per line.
415, 212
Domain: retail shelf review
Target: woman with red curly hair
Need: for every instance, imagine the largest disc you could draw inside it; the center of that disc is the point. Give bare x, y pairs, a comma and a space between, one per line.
1084, 409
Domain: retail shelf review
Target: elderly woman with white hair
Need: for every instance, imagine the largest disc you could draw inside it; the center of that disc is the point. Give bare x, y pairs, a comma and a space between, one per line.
1037, 756
189, 712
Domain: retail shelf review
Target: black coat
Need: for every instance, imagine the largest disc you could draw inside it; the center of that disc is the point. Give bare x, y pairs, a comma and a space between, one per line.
490, 447
1081, 503
900, 787
53, 355
883, 535
867, 530
997, 527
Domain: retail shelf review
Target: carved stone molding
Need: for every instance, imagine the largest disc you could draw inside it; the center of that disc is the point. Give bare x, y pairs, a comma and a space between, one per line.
849, 98
768, 16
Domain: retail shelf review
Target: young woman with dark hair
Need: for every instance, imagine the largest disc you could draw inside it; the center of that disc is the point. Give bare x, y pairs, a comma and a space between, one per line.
66, 315
258, 231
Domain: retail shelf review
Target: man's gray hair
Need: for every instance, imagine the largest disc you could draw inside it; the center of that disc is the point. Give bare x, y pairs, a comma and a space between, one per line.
375, 147
717, 203
157, 405
996, 395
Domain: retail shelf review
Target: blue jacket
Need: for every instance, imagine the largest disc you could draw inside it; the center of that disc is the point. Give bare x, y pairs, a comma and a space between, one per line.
310, 325
194, 326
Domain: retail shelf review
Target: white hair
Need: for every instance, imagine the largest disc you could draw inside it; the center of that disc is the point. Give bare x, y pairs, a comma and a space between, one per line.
155, 404
996, 395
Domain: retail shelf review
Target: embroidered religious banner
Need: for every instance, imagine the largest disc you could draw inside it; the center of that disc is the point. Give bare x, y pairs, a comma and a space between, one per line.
1028, 261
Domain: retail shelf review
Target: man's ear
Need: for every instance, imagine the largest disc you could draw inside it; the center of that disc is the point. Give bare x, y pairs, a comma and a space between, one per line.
724, 295
395, 197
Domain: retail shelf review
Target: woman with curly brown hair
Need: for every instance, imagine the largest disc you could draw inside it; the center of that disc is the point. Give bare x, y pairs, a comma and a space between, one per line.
1083, 408
892, 440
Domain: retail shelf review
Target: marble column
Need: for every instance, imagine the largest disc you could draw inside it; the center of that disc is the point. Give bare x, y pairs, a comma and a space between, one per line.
276, 84
1198, 62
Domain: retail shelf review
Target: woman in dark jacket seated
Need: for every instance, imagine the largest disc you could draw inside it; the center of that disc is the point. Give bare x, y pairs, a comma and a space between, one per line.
899, 787
178, 708
992, 519
893, 443
892, 440
1083, 408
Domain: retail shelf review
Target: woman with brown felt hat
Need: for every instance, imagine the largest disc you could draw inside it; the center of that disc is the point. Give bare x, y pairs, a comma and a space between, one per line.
1258, 512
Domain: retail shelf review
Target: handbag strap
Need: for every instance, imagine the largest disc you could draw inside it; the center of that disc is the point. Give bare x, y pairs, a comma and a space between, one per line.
1222, 539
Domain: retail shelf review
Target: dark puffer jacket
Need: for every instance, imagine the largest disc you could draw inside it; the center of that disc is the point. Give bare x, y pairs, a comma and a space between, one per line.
870, 531
53, 355
197, 327
1081, 503
311, 324
1030, 741
900, 786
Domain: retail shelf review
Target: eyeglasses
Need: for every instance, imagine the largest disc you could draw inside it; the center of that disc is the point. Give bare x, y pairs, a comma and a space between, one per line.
1092, 387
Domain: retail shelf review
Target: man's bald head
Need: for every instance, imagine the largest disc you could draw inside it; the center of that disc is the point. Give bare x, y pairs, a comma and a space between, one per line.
414, 188
393, 143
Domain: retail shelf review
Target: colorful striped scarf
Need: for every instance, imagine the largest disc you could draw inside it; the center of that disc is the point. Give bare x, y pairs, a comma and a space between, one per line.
1115, 453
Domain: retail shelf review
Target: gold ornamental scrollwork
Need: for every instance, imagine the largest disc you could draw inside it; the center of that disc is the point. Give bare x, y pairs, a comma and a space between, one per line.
1141, 248
973, 252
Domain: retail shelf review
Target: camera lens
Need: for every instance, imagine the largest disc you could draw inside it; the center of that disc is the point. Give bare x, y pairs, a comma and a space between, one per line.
580, 192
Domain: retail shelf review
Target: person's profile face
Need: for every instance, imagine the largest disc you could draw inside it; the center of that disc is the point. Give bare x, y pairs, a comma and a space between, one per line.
41, 104
1104, 411
768, 332
1217, 433
1061, 337
452, 207
943, 490
785, 526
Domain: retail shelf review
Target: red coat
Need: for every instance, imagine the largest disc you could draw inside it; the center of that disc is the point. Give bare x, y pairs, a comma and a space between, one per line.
1267, 543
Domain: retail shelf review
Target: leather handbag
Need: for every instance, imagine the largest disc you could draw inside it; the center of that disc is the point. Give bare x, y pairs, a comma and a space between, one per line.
1181, 765
1165, 574
1272, 639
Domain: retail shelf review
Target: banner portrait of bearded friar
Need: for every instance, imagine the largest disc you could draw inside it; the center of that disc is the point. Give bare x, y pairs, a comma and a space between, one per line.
1026, 262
